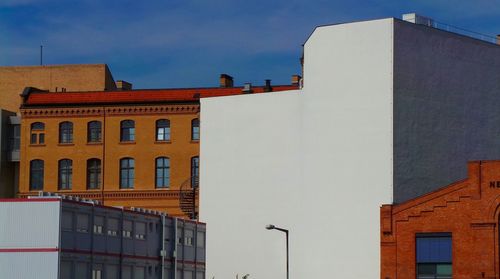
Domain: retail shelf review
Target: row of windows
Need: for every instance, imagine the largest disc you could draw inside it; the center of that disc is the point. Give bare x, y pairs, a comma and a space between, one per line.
94, 179
80, 270
94, 131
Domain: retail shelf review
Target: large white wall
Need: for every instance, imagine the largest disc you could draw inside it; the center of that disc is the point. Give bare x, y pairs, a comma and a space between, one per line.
316, 161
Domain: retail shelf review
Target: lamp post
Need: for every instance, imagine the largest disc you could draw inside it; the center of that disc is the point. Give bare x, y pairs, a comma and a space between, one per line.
273, 227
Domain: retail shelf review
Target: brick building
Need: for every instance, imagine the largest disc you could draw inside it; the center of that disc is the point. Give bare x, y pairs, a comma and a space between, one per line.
135, 148
451, 232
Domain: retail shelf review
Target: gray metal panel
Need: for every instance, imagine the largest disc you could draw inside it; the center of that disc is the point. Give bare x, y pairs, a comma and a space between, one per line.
29, 224
39, 265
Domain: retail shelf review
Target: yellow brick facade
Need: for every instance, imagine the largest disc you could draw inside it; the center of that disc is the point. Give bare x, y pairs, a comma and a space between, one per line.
78, 77
144, 150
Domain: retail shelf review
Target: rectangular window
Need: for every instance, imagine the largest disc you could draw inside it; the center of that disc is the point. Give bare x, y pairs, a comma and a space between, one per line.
66, 269
200, 239
434, 258
126, 272
97, 272
179, 236
127, 228
82, 223
188, 237
111, 272
112, 226
140, 230
81, 270
98, 224
33, 138
139, 272
188, 274
67, 221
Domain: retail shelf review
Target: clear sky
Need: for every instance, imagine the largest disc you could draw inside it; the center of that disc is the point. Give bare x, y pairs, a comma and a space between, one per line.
188, 43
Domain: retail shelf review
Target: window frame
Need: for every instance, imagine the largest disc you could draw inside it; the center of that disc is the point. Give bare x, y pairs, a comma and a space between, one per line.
130, 173
441, 235
40, 171
195, 129
94, 131
127, 130
165, 172
66, 132
37, 133
162, 128
65, 174
195, 171
94, 174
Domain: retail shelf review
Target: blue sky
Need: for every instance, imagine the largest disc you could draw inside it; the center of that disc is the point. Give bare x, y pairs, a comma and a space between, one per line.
188, 43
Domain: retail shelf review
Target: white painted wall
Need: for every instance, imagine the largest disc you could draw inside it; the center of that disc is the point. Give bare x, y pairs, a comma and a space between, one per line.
316, 161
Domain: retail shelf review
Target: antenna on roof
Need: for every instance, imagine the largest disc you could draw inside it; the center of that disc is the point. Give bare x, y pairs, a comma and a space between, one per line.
41, 54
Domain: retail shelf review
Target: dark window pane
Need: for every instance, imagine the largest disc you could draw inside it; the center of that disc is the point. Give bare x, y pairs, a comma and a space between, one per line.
93, 174
36, 174
65, 174
163, 130
195, 171
94, 131
66, 132
434, 249
37, 126
41, 138
33, 139
162, 172
127, 173
195, 129
127, 130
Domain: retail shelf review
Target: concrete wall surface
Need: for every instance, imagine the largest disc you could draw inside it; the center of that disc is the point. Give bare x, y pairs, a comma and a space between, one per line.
445, 107
303, 160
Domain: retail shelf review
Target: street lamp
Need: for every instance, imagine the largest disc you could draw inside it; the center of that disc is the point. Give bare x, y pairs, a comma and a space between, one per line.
273, 227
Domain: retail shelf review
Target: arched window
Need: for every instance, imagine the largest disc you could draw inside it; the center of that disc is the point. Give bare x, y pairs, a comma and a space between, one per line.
94, 131
162, 172
127, 167
163, 130
195, 171
93, 174
195, 129
65, 174
37, 133
65, 132
36, 175
127, 130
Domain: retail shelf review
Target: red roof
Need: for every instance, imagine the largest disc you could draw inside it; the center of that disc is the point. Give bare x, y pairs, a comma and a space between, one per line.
43, 98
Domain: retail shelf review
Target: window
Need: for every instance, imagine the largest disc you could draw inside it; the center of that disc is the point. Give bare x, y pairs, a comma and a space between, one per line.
67, 221
37, 133
66, 269
81, 270
195, 171
127, 228
140, 230
94, 131
14, 137
82, 223
434, 255
65, 174
127, 173
66, 132
162, 172
93, 174
112, 226
127, 130
179, 236
36, 175
188, 237
163, 130
111, 271
98, 224
195, 129
97, 271
200, 239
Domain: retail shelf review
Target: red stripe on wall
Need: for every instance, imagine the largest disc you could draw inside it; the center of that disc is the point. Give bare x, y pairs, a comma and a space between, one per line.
27, 250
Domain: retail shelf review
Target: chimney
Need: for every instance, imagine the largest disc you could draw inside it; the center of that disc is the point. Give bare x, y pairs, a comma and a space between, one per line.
247, 88
226, 81
498, 39
267, 87
296, 80
122, 85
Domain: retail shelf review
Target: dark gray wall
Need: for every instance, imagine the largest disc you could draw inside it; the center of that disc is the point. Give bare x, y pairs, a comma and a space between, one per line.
7, 169
446, 107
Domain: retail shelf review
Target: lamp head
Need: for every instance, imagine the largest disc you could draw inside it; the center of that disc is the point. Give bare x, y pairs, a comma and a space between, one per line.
270, 227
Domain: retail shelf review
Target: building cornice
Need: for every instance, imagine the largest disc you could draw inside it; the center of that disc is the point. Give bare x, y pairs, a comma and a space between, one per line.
109, 110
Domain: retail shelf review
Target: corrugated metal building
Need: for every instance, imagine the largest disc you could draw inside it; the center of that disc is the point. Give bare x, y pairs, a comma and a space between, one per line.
55, 237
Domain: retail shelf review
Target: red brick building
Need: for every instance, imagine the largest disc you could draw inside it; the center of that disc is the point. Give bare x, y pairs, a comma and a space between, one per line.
451, 232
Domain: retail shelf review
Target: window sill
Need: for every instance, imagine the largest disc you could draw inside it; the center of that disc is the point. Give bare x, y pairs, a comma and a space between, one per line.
195, 141
127, 189
66, 144
64, 190
127, 142
162, 188
163, 142
37, 144
94, 143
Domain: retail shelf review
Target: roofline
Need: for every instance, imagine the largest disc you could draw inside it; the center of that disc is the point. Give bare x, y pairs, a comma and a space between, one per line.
109, 104
54, 65
342, 23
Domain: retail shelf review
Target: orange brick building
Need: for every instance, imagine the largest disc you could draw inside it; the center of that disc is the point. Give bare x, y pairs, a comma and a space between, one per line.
450, 233
137, 148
